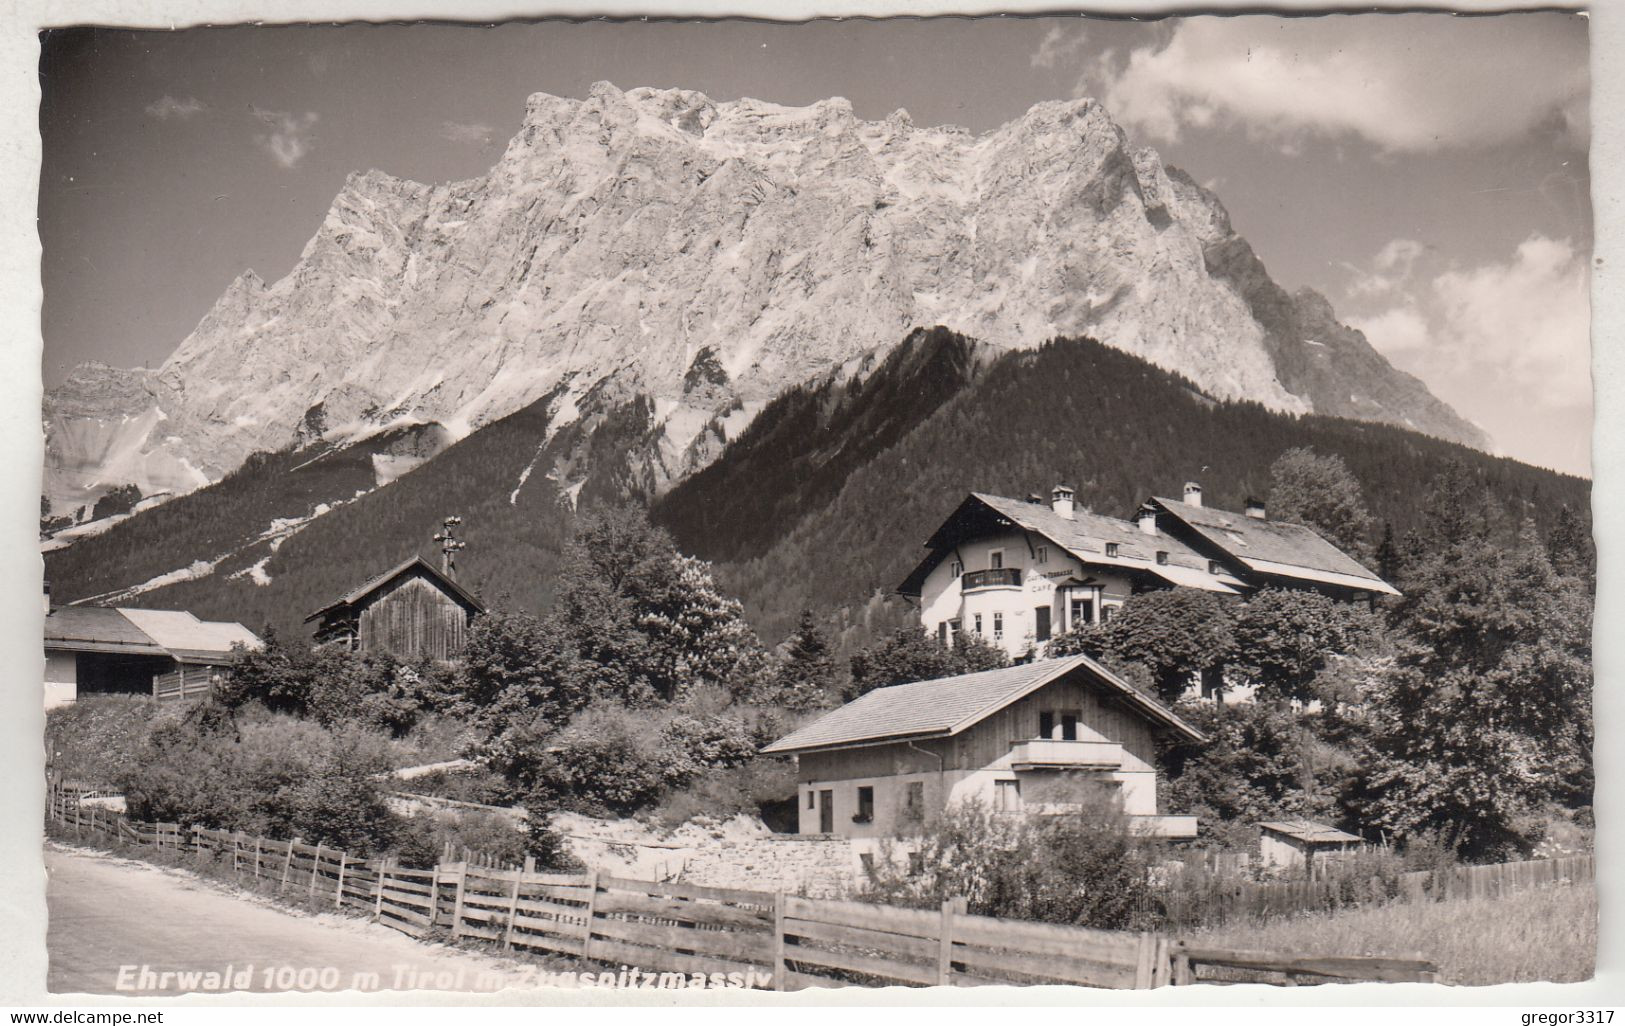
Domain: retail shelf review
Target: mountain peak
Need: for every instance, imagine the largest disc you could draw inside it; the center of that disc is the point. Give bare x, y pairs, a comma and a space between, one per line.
624, 234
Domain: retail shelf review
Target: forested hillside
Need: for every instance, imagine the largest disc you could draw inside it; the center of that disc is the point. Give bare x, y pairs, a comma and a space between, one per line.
1114, 427
823, 503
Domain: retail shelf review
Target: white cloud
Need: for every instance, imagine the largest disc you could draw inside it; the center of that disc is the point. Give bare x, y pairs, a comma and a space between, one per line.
290, 136
1506, 343
1390, 268
1528, 318
167, 107
1396, 332
459, 132
1406, 83
1059, 45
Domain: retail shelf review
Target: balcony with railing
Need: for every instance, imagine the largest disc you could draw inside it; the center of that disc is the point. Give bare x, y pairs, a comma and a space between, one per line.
1002, 577
1043, 754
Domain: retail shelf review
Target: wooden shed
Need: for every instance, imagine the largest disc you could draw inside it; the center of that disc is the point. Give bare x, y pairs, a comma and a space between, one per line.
1300, 841
413, 611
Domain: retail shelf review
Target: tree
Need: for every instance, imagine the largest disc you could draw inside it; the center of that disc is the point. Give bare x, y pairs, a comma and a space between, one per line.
1488, 711
1177, 634
1284, 639
1569, 547
520, 681
646, 622
1255, 764
909, 654
1320, 493
1388, 560
806, 677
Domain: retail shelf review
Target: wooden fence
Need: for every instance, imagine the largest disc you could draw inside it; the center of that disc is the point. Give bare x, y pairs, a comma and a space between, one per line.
788, 942
1219, 900
186, 682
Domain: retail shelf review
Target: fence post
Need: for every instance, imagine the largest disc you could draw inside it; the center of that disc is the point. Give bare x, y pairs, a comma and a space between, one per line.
434, 895
779, 970
592, 905
257, 840
378, 904
315, 867
457, 906
287, 867
338, 892
1143, 961
513, 908
945, 943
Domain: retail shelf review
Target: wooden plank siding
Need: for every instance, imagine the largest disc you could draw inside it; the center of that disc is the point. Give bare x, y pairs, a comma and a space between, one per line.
412, 618
990, 740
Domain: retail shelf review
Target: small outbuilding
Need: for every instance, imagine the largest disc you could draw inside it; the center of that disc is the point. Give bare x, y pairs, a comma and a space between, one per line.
1301, 842
412, 610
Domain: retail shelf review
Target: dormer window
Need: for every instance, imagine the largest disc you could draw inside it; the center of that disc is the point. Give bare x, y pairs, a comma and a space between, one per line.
1111, 549
1162, 558
1213, 566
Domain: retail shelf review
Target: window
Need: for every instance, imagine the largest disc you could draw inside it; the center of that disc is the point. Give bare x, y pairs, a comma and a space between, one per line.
1111, 549
866, 805
1068, 721
1041, 623
942, 634
995, 559
1107, 612
1162, 558
998, 626
953, 629
957, 568
976, 622
1041, 555
1007, 796
812, 800
1083, 611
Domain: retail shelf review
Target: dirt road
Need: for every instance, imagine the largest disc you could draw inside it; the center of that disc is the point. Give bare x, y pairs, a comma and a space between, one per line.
117, 926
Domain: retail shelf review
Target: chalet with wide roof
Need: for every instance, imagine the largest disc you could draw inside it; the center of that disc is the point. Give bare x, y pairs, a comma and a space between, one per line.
1264, 552
1017, 572
1019, 739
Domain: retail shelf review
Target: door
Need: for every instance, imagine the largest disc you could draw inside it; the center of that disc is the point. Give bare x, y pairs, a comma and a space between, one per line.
826, 812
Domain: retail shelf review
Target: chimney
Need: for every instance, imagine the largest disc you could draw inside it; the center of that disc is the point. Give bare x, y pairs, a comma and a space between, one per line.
1193, 493
1061, 501
1255, 509
1147, 518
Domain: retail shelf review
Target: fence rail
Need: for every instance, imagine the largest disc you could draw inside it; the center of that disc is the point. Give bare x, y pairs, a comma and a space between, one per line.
788, 942
186, 682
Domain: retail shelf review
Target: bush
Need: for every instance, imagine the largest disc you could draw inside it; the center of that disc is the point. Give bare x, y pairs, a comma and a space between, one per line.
1082, 867
276, 777
92, 741
422, 838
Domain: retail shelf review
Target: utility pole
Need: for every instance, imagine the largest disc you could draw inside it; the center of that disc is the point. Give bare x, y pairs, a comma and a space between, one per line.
449, 546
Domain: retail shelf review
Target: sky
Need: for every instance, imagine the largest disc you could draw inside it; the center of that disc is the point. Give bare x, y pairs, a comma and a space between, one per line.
1426, 172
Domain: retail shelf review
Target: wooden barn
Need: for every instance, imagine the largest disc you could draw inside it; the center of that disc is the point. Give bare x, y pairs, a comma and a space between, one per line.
413, 611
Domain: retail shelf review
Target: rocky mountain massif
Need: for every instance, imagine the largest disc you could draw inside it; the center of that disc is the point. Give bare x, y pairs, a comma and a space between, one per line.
654, 257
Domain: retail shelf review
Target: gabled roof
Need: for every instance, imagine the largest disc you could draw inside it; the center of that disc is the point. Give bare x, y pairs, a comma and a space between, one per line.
416, 563
159, 632
1274, 548
1085, 536
1310, 831
950, 705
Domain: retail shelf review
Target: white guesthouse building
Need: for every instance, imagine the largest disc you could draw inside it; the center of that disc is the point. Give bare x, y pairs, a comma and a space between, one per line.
1017, 573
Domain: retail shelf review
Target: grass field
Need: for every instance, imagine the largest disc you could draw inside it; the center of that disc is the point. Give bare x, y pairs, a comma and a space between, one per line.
1538, 935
